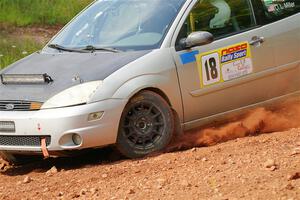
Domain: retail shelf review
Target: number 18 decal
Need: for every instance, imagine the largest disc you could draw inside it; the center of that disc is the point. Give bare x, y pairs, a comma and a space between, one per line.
224, 64
210, 69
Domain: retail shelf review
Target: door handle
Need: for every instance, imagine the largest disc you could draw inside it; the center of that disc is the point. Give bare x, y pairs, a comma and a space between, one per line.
256, 41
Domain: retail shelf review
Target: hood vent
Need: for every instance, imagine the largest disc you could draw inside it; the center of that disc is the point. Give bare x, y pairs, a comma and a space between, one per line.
25, 79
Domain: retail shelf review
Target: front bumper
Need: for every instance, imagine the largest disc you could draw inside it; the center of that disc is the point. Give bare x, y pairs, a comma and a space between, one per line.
59, 124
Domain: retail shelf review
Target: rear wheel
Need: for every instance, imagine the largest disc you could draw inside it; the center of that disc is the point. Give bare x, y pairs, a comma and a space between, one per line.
146, 126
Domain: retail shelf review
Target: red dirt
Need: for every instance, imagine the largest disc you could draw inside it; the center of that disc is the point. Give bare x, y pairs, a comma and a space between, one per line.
39, 34
233, 170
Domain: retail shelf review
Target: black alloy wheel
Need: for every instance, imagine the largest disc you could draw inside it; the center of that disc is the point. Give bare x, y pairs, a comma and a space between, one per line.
146, 125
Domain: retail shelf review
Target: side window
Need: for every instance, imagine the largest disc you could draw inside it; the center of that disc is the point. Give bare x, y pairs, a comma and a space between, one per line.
277, 10
219, 17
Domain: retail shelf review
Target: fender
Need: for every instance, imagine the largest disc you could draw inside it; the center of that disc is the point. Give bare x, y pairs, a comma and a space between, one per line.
153, 70
136, 84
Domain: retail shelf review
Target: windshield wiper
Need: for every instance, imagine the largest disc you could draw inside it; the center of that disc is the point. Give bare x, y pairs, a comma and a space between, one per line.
95, 48
62, 48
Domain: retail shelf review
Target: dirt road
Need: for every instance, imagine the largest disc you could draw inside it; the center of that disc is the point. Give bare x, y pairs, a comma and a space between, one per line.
260, 167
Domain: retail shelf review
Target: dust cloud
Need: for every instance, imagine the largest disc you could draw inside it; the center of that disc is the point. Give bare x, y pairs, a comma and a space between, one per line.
279, 117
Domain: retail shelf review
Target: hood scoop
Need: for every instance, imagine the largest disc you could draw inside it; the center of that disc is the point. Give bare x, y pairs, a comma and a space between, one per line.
25, 79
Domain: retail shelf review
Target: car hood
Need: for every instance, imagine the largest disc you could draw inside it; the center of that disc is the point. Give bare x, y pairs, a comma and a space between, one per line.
66, 70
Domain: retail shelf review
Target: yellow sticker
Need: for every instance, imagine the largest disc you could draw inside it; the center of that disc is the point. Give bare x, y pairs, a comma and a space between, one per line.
224, 64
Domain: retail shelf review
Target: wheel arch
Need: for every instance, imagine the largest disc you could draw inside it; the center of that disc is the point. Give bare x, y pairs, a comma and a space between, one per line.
159, 84
159, 92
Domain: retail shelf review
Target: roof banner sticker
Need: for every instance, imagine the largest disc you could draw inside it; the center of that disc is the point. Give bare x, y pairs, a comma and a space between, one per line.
224, 64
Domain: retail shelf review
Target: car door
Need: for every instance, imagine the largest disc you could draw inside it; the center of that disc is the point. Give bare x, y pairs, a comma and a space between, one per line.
212, 83
285, 20
282, 18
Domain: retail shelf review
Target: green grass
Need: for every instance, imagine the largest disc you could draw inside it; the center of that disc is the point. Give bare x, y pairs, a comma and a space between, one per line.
13, 49
24, 13
39, 12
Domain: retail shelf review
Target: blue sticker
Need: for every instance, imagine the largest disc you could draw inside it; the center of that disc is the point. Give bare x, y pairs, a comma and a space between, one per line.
189, 57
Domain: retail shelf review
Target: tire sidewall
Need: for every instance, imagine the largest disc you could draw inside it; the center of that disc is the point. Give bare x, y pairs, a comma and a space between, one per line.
123, 145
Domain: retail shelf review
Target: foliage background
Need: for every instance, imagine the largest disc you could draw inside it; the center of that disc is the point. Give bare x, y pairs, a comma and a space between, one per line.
20, 21
39, 12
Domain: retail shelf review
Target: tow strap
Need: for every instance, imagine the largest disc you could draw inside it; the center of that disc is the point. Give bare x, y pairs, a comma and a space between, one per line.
44, 148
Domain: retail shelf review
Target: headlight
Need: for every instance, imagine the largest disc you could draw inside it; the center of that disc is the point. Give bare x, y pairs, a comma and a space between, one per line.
75, 95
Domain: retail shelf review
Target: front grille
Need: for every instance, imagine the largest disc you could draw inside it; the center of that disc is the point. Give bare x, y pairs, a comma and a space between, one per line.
32, 141
7, 127
16, 105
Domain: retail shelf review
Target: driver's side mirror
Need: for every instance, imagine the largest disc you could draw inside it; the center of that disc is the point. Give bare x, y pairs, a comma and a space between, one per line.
196, 39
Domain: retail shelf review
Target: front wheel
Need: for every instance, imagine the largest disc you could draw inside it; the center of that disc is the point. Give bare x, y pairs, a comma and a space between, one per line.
146, 125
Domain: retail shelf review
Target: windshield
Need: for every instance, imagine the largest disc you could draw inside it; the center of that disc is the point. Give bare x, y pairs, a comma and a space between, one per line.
121, 24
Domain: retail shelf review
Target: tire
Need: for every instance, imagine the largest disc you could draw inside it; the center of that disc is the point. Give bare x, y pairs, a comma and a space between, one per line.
146, 125
16, 159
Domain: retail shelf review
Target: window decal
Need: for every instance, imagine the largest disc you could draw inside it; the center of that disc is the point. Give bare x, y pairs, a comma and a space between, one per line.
279, 7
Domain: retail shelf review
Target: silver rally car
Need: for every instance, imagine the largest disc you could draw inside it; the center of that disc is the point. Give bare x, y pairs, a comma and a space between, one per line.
134, 72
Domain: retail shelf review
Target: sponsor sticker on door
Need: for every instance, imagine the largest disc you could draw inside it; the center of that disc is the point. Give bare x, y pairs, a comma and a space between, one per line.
224, 64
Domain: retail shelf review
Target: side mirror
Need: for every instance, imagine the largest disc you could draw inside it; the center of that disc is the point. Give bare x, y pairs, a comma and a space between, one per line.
197, 39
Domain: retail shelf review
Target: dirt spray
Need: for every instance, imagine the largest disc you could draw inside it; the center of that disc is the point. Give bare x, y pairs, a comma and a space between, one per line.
280, 117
